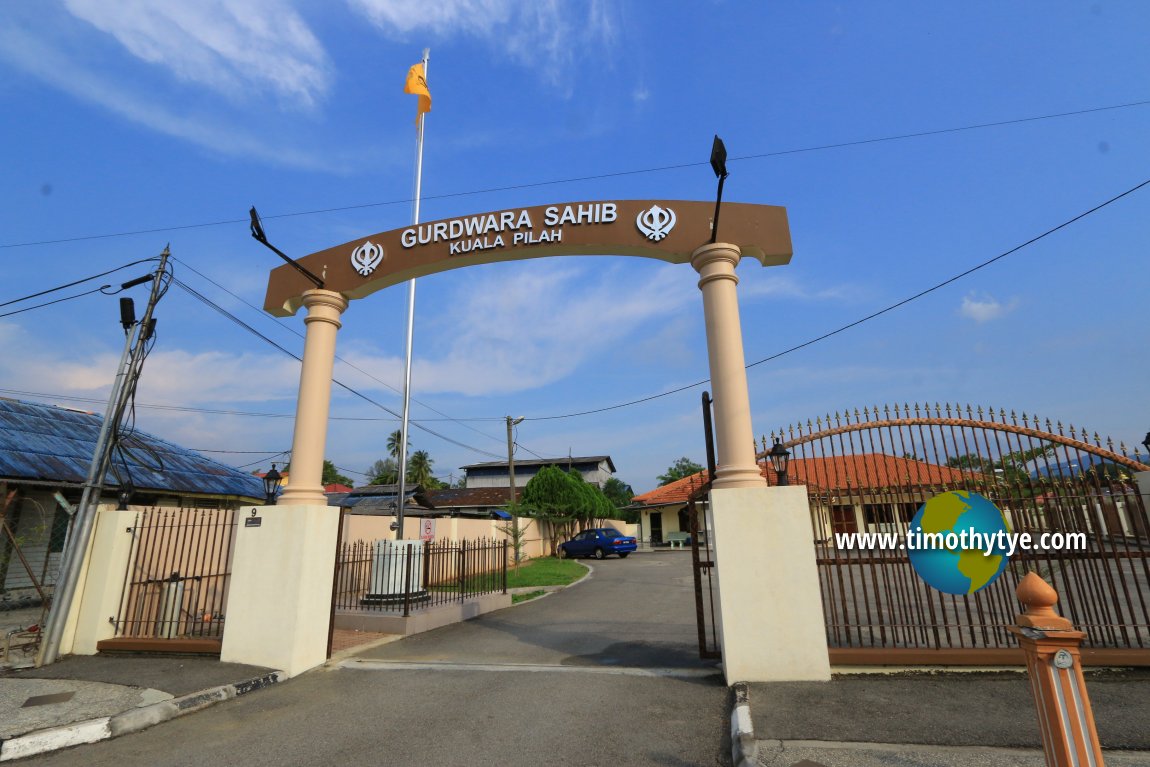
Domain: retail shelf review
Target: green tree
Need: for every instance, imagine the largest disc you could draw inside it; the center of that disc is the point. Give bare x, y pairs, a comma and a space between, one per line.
419, 469
618, 492
684, 467
555, 497
394, 441
516, 532
385, 471
331, 475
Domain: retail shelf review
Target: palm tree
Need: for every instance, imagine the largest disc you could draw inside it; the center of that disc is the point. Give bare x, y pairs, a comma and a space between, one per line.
394, 441
419, 468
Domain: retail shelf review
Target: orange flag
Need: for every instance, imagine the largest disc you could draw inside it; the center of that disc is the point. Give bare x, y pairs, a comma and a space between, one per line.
417, 84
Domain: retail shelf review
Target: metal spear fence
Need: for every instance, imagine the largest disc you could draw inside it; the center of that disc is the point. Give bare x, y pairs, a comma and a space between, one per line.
871, 471
402, 577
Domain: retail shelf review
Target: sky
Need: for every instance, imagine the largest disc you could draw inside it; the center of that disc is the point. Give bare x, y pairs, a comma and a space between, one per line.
133, 125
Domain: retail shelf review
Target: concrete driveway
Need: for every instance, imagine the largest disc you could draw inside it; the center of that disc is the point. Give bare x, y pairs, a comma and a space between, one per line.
635, 612
601, 674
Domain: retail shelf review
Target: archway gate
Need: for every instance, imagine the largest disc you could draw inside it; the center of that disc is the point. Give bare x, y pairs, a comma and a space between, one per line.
870, 472
676, 231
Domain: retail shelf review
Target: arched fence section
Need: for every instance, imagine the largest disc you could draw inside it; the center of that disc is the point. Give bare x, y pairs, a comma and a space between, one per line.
870, 471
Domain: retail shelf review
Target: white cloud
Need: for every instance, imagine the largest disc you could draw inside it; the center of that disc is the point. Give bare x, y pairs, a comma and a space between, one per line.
62, 66
518, 331
230, 46
546, 34
173, 377
778, 286
984, 307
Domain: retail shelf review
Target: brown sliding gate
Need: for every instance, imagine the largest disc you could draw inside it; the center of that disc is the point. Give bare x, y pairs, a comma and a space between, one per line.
176, 586
870, 472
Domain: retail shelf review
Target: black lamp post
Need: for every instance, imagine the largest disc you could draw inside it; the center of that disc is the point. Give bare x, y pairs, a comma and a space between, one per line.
1146, 444
780, 457
272, 481
719, 165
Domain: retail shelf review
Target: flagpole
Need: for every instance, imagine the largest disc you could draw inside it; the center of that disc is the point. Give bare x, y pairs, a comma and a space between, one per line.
399, 501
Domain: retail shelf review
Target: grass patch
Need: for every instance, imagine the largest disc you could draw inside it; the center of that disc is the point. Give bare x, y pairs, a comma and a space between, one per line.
545, 571
517, 598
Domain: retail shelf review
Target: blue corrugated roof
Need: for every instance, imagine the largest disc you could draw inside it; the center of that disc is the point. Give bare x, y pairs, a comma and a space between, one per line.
53, 444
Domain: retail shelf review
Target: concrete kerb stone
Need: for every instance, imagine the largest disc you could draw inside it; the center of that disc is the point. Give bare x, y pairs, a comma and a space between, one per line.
133, 720
744, 747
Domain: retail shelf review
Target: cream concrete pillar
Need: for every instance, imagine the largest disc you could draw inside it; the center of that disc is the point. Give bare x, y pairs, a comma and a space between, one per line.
279, 600
735, 439
305, 486
770, 605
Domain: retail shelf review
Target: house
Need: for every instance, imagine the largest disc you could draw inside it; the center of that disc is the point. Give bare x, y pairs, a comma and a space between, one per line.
595, 469
474, 502
45, 456
848, 493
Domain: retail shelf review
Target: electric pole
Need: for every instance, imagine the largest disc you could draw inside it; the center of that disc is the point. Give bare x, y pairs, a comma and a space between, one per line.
511, 422
137, 336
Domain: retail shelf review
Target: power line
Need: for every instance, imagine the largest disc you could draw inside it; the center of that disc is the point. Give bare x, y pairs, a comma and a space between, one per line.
285, 326
75, 282
641, 400
351, 365
207, 301
595, 177
860, 321
57, 301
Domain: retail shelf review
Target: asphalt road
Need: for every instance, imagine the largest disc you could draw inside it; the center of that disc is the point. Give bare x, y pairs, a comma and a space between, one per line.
603, 673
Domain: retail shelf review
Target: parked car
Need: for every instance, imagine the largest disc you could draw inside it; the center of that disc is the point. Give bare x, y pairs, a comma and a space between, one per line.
598, 542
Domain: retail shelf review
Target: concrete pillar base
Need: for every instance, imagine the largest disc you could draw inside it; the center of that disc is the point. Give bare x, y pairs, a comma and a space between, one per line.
737, 476
279, 600
770, 605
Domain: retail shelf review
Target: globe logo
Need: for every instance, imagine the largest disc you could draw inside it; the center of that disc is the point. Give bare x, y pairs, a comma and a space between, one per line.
957, 542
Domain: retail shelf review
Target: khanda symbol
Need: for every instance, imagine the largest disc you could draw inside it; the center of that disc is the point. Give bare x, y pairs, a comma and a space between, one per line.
656, 223
366, 257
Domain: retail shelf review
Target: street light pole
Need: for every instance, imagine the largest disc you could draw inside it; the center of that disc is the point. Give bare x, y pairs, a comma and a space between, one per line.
511, 422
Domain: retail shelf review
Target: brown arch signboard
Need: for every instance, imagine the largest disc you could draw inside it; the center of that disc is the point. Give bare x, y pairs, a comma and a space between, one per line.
669, 230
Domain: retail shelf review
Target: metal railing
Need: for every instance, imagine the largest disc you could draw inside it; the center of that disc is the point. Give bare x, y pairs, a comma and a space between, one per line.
176, 585
871, 473
404, 577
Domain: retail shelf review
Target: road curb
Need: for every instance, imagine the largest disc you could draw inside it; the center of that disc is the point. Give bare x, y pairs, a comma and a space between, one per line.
132, 720
744, 747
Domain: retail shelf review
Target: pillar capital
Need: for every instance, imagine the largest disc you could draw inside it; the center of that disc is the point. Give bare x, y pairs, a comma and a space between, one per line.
716, 261
324, 306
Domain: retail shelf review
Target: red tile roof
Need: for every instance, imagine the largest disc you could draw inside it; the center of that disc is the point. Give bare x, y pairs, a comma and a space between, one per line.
833, 473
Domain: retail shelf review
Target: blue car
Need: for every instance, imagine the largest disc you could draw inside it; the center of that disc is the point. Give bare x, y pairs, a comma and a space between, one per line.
598, 542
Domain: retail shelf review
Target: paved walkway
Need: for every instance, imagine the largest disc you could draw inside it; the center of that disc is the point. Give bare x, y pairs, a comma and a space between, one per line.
911, 719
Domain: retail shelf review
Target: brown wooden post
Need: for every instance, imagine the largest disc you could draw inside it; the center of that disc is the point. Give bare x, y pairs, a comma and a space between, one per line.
1054, 664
